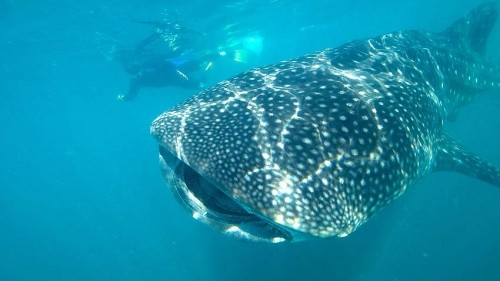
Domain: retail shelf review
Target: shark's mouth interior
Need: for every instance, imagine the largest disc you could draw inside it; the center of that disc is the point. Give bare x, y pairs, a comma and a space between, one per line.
210, 205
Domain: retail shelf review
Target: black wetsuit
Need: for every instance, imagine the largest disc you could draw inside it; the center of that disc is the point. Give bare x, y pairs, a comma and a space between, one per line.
162, 73
168, 57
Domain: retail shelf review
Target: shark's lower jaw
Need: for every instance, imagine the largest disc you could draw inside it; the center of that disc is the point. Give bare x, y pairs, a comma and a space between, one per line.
211, 206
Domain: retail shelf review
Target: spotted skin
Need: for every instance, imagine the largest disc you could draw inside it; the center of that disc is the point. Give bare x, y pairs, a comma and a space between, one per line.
319, 144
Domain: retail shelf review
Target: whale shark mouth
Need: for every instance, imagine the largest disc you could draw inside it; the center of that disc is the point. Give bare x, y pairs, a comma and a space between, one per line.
210, 205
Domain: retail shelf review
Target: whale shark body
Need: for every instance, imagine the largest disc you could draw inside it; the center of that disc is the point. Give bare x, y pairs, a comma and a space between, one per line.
315, 146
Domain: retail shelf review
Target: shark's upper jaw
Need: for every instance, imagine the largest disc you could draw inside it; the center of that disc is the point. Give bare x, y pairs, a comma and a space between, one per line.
211, 206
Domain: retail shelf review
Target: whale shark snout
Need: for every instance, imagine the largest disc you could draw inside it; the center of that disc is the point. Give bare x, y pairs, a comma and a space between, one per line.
212, 206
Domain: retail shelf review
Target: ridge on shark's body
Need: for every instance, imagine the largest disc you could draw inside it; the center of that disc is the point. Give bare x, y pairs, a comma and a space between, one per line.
315, 146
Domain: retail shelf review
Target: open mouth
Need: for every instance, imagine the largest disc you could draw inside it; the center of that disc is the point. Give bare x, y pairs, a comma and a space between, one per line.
210, 205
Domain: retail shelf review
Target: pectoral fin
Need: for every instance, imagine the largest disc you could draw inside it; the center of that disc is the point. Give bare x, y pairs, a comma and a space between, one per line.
452, 157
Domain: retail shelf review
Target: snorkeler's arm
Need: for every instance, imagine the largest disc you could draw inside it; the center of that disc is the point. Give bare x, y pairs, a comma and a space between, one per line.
133, 90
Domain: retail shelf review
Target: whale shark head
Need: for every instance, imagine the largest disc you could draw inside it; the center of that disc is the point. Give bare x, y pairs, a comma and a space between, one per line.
217, 155
314, 146
275, 162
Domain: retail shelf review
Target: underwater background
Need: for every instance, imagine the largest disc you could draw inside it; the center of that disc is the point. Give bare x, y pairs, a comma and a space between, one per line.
81, 195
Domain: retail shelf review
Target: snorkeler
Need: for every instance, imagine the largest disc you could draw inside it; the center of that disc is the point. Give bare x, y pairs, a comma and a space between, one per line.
158, 72
172, 56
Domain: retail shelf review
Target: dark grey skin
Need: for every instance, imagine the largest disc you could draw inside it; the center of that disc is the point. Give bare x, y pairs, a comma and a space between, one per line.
315, 146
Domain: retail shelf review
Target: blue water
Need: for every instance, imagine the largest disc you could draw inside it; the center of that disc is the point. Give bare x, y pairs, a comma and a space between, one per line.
81, 196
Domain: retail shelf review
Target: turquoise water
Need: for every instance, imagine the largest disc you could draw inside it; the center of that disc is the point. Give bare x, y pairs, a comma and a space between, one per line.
81, 196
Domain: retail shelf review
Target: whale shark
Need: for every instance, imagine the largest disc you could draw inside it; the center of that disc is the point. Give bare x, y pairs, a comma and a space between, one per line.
314, 146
